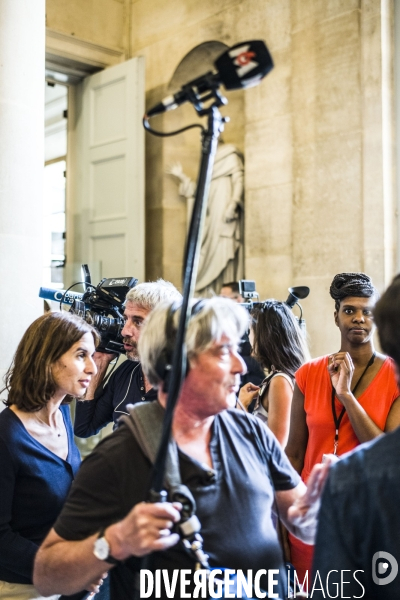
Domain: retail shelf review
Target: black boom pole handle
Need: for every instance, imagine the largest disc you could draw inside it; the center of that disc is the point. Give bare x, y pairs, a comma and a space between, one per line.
210, 137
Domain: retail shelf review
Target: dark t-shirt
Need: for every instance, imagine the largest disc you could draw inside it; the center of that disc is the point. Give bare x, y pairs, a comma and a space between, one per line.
360, 517
234, 499
125, 386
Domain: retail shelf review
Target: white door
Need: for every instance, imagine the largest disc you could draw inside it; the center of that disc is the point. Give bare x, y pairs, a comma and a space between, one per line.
105, 173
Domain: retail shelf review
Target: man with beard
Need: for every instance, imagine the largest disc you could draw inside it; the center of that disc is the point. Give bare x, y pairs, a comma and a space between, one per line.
128, 385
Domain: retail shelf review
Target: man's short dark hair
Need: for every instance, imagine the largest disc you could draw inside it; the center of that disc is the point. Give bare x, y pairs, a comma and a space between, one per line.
234, 285
387, 318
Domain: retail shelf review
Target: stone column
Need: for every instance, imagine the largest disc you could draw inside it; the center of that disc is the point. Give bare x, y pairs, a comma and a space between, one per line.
22, 49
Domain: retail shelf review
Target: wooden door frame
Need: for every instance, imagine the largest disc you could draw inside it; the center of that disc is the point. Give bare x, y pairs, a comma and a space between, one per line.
75, 58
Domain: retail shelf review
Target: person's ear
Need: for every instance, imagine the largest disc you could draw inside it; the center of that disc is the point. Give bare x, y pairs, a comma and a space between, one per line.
336, 317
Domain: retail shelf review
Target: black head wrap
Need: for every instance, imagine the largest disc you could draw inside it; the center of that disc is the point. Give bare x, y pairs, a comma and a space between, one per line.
351, 284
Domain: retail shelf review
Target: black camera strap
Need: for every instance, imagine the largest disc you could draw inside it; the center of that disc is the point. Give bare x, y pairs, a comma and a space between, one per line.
145, 421
338, 419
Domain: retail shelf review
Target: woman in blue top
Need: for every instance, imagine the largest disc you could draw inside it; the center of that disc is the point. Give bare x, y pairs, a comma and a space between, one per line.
38, 455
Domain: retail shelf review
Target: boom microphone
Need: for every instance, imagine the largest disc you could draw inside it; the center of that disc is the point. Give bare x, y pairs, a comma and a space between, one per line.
239, 67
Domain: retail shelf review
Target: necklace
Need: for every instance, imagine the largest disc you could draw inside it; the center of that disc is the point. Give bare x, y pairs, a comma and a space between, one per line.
58, 431
338, 419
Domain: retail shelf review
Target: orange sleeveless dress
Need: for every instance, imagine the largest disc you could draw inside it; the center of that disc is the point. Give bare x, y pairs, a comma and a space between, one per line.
314, 383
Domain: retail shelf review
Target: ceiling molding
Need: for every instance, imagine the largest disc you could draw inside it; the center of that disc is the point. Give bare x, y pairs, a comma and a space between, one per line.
71, 48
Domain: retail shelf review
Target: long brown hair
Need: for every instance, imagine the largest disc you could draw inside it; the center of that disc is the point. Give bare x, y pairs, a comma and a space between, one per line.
278, 339
29, 380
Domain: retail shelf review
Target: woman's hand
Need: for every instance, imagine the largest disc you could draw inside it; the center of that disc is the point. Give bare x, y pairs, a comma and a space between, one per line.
247, 393
341, 369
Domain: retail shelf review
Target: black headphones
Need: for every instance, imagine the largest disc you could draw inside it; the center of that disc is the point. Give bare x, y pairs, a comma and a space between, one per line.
164, 361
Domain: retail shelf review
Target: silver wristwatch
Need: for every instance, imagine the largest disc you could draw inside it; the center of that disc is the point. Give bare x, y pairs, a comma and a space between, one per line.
101, 549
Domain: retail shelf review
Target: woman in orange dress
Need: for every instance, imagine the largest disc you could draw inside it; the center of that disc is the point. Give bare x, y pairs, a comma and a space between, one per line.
343, 399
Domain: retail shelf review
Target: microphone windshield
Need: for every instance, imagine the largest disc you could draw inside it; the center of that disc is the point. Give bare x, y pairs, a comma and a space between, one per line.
244, 65
239, 67
297, 293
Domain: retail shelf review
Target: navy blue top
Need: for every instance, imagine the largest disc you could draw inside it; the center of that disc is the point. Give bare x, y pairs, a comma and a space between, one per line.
125, 386
34, 484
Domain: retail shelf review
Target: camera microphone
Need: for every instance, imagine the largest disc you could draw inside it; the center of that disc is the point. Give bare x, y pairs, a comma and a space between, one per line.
100, 306
58, 295
239, 67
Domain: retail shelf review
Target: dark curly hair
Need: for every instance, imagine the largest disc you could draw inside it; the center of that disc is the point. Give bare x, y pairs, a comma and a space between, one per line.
278, 339
29, 380
351, 284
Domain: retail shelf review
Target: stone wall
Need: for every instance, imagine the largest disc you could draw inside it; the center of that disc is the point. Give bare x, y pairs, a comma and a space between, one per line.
312, 136
103, 22
316, 135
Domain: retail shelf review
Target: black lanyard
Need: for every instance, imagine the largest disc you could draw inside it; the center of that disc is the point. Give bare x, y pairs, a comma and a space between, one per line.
337, 420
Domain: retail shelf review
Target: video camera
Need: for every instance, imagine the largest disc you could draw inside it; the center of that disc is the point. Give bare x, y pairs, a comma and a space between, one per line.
100, 306
247, 289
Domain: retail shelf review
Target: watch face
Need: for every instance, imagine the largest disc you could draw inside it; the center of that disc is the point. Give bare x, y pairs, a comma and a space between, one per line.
101, 548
